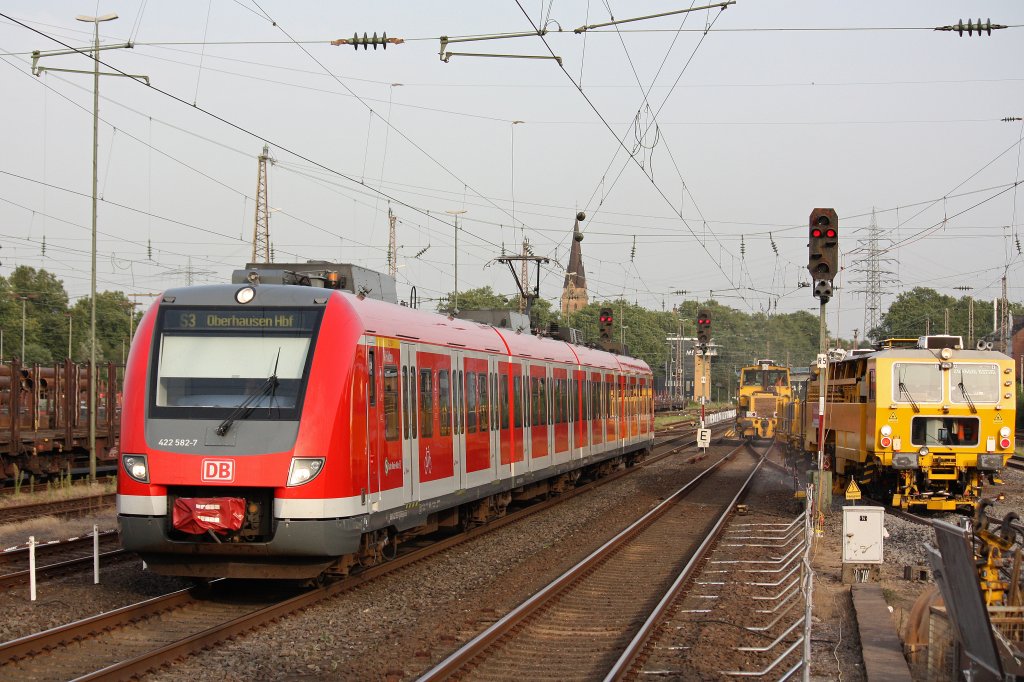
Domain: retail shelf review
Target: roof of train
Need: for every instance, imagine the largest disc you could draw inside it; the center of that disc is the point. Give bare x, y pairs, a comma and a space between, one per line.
388, 319
926, 354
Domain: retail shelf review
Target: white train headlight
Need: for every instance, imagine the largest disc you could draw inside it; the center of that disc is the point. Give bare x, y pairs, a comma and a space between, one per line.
136, 467
304, 470
1005, 432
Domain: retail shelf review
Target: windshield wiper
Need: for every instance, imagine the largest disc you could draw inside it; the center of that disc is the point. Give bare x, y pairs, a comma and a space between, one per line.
246, 407
904, 391
967, 396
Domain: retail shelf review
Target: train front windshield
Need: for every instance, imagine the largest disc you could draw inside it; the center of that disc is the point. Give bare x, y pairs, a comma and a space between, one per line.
210, 361
768, 378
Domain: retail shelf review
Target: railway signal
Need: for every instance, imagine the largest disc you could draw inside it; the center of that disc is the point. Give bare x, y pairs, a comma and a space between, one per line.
703, 328
606, 324
823, 251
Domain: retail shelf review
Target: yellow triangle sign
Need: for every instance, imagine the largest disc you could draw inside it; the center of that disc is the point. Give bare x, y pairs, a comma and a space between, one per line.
852, 491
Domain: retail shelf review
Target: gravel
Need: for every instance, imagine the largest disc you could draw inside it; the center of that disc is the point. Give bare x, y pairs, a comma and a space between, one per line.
397, 627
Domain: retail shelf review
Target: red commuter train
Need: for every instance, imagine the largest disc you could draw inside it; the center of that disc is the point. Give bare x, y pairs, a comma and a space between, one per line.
281, 431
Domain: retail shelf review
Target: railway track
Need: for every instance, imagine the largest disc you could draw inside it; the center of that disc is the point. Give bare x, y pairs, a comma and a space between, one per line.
60, 508
141, 637
590, 622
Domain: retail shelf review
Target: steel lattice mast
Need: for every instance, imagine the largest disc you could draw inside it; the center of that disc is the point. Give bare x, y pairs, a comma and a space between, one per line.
261, 230
870, 267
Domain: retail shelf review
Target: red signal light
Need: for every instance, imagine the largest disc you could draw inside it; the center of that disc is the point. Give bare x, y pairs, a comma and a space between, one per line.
816, 232
1004, 443
831, 233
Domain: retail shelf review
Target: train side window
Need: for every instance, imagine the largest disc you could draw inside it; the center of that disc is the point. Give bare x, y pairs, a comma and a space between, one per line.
483, 403
534, 400
494, 402
471, 402
412, 400
371, 371
460, 408
517, 401
503, 383
871, 385
390, 402
426, 404
444, 399
405, 402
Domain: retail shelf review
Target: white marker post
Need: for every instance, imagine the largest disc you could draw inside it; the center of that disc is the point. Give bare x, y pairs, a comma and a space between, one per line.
32, 567
95, 554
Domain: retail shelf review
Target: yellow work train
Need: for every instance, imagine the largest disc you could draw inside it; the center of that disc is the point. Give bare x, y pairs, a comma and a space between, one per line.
920, 422
764, 392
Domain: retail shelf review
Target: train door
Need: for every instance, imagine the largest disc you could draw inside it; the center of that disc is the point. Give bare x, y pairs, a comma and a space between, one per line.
520, 418
540, 450
581, 396
457, 416
479, 469
410, 438
437, 470
505, 465
560, 415
596, 422
389, 440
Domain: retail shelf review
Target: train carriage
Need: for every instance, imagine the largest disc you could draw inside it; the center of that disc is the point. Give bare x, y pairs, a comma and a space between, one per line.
920, 422
285, 431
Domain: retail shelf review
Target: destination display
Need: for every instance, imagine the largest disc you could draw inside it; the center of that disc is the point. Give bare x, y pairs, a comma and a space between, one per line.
234, 320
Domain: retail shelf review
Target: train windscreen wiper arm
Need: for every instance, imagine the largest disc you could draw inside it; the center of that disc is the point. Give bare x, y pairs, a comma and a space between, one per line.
967, 396
904, 391
248, 405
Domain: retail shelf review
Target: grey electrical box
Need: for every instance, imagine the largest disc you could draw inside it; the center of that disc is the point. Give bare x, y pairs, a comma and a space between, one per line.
863, 534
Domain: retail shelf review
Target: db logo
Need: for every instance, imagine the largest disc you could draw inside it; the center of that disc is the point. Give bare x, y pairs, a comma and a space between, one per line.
218, 470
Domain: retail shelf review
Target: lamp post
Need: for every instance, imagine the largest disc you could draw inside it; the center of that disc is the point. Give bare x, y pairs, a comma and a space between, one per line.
455, 307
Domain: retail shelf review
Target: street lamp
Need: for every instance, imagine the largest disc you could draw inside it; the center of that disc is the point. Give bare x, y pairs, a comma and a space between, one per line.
455, 307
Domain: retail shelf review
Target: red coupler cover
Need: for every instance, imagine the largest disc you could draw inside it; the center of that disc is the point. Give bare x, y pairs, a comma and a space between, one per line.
196, 515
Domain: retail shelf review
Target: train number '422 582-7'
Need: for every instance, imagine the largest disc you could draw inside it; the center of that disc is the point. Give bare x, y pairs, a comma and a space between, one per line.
178, 442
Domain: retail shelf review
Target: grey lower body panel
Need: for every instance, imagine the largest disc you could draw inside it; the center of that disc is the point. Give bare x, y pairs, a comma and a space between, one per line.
303, 548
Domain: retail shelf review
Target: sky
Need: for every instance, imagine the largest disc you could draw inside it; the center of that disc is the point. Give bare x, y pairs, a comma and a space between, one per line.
697, 144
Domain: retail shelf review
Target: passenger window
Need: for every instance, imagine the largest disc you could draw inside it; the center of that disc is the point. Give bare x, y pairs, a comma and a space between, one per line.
390, 402
460, 413
444, 402
495, 406
426, 404
471, 402
484, 404
405, 402
412, 400
371, 371
517, 401
503, 382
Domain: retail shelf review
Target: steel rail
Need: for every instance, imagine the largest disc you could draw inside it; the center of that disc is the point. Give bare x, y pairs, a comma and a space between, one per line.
500, 628
70, 507
636, 646
28, 645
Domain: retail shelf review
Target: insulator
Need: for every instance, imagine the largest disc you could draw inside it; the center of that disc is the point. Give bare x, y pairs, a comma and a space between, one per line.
632, 254
743, 247
1016, 238
43, 250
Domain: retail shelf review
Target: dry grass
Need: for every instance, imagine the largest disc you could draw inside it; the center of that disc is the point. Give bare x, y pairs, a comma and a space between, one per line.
46, 528
58, 492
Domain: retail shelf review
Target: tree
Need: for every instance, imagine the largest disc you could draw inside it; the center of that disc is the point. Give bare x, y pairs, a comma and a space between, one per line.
482, 298
45, 303
112, 327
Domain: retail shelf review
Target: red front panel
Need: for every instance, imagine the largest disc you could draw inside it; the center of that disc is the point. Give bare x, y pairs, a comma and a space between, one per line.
539, 411
433, 399
478, 441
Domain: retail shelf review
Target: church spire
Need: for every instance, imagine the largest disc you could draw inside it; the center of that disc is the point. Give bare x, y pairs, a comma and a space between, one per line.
574, 289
